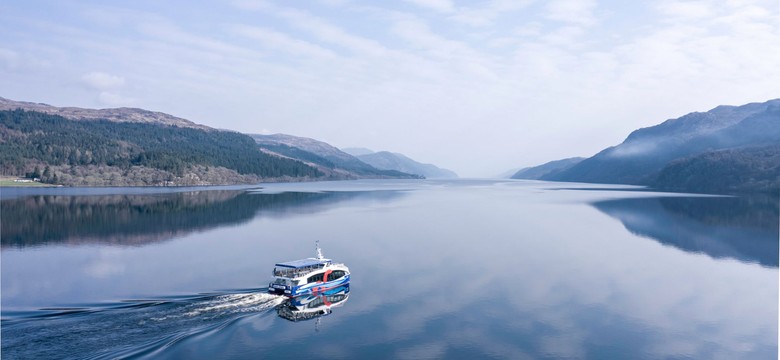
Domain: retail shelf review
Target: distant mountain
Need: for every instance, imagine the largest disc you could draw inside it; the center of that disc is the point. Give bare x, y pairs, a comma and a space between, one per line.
335, 163
647, 152
132, 115
394, 161
508, 173
101, 152
548, 169
356, 151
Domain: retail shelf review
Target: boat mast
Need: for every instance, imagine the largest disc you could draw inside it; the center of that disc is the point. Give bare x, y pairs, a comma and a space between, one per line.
319, 251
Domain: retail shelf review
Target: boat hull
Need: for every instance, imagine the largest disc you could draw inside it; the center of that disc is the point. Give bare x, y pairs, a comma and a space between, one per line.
318, 287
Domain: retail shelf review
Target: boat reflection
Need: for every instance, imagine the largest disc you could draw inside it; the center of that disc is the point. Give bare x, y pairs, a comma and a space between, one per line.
312, 306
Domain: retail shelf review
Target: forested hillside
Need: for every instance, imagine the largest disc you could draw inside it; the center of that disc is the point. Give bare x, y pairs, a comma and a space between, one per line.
59, 150
731, 170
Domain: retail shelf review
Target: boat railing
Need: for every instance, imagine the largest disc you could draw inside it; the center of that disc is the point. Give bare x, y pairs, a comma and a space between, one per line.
293, 273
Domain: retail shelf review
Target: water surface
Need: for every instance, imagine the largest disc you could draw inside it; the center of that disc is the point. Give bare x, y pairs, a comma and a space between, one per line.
449, 269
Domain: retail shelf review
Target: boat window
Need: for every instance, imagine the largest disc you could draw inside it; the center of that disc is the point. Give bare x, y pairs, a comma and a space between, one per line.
336, 274
284, 272
315, 278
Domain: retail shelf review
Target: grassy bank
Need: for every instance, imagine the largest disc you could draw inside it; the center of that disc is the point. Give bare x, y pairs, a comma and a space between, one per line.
6, 181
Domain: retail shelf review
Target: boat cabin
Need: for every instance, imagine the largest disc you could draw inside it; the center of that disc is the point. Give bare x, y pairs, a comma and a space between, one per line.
297, 268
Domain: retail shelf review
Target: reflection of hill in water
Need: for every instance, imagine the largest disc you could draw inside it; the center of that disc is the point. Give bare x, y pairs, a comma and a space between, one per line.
143, 219
742, 228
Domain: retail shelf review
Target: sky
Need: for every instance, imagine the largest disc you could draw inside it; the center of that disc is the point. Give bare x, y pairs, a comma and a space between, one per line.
478, 87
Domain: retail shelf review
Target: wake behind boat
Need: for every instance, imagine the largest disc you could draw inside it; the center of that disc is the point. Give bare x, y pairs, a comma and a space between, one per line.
308, 276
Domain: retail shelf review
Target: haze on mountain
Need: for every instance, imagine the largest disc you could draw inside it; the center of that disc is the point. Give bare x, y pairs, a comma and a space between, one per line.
394, 161
729, 148
476, 87
546, 170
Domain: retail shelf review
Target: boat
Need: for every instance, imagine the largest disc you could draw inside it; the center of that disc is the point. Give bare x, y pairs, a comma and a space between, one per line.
311, 276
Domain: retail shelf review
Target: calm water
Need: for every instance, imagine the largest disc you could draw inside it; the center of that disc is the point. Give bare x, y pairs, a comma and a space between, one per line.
463, 269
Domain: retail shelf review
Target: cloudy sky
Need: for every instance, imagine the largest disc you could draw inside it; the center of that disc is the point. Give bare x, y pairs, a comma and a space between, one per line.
479, 87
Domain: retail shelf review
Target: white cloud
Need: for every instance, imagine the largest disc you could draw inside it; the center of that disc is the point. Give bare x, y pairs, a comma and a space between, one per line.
333, 34
9, 58
685, 9
280, 41
103, 81
420, 36
438, 5
486, 13
251, 4
108, 88
572, 11
114, 99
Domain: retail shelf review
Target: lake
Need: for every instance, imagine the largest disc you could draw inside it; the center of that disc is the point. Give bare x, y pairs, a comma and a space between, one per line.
440, 269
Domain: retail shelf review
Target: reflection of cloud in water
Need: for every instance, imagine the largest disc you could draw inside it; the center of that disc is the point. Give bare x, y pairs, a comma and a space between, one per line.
431, 350
108, 263
556, 280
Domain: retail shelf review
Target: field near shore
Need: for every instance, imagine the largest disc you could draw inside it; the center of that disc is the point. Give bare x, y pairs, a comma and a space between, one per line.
8, 181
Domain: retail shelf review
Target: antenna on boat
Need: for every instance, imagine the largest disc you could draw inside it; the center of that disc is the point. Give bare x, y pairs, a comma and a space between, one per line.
319, 251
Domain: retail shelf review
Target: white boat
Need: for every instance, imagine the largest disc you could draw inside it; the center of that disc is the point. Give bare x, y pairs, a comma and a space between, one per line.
311, 276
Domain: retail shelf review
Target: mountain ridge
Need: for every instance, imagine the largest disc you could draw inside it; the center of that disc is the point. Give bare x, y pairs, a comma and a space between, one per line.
329, 159
647, 153
546, 169
396, 161
121, 114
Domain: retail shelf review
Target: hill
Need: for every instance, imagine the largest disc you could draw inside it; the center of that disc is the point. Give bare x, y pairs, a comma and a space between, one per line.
132, 115
400, 162
547, 169
356, 151
331, 161
668, 152
730, 170
109, 153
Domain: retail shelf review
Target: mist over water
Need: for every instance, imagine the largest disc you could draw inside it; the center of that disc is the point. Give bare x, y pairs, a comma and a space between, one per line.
506, 269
